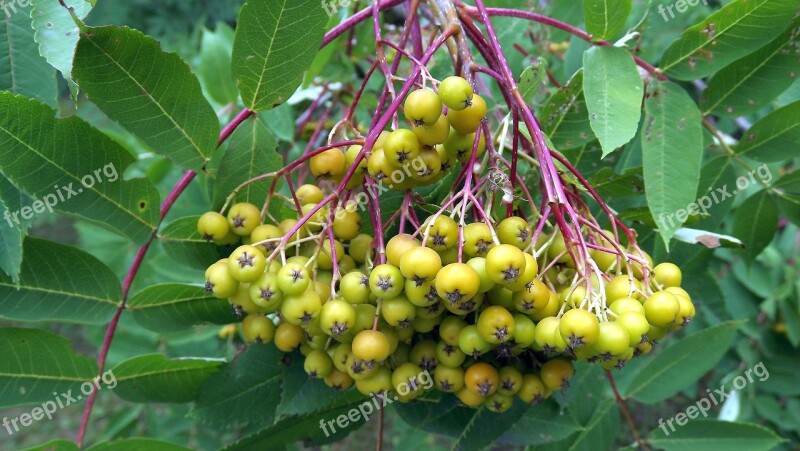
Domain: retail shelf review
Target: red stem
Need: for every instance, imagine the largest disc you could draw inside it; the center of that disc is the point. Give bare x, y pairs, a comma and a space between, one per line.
354, 20
555, 23
172, 197
126, 286
111, 329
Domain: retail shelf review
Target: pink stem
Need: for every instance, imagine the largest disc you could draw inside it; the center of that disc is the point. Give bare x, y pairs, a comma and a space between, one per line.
111, 329
507, 12
354, 20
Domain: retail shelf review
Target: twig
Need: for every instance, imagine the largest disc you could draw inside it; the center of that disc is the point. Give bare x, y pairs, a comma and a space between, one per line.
625, 411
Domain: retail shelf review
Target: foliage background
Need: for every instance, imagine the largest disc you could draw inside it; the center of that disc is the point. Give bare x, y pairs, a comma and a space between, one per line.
759, 289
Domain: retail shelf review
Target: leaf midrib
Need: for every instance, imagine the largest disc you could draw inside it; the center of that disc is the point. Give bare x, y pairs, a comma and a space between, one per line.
571, 103
42, 376
141, 307
267, 57
716, 36
149, 96
589, 426
772, 136
77, 179
168, 371
740, 81
59, 292
468, 426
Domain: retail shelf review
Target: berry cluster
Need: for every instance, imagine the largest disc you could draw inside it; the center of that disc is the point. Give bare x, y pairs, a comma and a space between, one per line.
420, 155
487, 329
491, 308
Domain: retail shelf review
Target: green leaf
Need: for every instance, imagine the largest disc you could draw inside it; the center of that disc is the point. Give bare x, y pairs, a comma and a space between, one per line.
57, 34
153, 378
775, 137
37, 363
244, 391
59, 283
610, 184
715, 178
303, 395
304, 428
606, 18
150, 92
280, 121
276, 40
439, 413
136, 444
214, 70
752, 82
74, 168
11, 237
613, 90
599, 432
787, 189
532, 78
702, 434
22, 70
756, 222
484, 427
782, 368
596, 415
542, 423
681, 364
183, 243
586, 158
174, 307
672, 147
730, 33
55, 445
707, 296
565, 118
251, 153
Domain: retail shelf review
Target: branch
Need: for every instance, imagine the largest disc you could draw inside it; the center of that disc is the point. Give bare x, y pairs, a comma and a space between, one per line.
625, 411
170, 200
